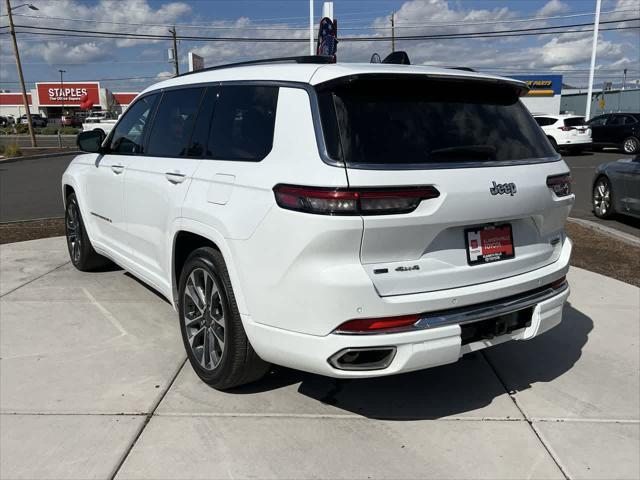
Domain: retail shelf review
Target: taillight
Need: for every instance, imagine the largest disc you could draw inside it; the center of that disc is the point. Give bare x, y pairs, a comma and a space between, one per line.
560, 184
372, 325
349, 201
566, 129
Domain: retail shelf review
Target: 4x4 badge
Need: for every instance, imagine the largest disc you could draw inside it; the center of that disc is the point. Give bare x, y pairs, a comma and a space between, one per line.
503, 188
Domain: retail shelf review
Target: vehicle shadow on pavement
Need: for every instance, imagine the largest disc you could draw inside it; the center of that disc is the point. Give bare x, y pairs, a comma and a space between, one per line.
449, 390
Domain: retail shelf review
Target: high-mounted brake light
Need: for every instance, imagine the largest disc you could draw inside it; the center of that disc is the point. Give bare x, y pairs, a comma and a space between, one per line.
345, 201
372, 325
560, 184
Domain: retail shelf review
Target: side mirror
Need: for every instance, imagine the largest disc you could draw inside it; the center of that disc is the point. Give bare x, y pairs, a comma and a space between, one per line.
91, 141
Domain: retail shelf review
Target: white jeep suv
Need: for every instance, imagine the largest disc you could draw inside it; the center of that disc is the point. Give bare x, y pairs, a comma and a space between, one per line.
569, 132
351, 220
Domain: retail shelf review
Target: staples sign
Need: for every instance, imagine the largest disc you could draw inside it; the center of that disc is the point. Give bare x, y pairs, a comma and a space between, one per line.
69, 94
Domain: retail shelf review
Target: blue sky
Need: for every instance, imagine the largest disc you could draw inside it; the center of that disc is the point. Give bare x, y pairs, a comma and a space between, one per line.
130, 65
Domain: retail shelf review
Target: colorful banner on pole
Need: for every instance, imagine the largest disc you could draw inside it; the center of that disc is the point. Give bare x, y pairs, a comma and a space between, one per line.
327, 38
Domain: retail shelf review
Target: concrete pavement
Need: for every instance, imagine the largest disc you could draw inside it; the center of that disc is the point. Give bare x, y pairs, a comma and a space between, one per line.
93, 384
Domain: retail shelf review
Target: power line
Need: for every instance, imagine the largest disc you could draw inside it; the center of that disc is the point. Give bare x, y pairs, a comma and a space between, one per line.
289, 28
482, 34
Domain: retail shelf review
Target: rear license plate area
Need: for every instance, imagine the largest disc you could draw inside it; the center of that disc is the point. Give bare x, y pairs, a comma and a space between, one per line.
495, 327
489, 244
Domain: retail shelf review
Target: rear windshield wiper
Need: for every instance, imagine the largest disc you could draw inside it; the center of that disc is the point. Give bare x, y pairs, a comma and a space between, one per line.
484, 152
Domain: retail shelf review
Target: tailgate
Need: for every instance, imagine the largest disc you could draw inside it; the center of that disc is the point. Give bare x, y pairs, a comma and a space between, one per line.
426, 249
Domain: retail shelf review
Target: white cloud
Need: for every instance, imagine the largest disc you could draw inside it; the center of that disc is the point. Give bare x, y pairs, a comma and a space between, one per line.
113, 11
572, 52
553, 7
63, 52
164, 75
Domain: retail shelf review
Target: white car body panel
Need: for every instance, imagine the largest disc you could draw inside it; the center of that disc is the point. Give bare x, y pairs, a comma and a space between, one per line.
297, 276
566, 138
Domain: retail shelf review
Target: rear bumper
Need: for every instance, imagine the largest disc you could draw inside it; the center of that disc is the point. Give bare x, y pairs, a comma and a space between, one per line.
581, 142
423, 347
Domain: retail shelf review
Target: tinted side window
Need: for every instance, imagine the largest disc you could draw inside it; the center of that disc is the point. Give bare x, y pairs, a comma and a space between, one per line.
598, 121
616, 120
173, 122
243, 123
545, 121
129, 133
200, 136
629, 120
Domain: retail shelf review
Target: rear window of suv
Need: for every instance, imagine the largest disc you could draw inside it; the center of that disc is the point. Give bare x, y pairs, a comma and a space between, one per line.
418, 120
574, 122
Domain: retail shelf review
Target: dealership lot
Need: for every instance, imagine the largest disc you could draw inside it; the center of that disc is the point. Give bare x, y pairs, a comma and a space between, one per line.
93, 379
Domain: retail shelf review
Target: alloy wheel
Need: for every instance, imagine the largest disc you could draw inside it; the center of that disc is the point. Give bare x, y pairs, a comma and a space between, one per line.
602, 197
205, 316
74, 234
630, 145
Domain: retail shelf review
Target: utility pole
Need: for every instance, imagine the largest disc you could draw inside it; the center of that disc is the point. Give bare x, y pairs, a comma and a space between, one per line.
61, 95
25, 99
393, 32
61, 107
175, 50
596, 25
312, 47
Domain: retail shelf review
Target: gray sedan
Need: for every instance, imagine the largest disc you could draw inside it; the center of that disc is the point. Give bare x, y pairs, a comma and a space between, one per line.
616, 188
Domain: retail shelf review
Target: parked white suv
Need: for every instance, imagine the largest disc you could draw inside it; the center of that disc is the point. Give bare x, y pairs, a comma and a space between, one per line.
343, 219
569, 132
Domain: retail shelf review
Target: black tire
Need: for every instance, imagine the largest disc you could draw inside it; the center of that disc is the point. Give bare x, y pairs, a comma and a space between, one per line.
602, 192
221, 354
631, 145
553, 143
81, 252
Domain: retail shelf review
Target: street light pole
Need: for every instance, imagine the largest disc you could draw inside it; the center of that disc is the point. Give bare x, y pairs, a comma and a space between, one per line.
311, 45
25, 100
596, 25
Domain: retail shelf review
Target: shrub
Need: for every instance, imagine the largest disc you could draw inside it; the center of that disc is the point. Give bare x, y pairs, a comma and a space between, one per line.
22, 128
2, 147
12, 150
49, 131
68, 131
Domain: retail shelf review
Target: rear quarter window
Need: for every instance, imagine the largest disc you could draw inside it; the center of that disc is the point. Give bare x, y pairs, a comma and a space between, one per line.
243, 123
417, 120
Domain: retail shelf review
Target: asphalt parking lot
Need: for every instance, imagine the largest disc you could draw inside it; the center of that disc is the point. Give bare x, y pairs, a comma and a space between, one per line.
93, 384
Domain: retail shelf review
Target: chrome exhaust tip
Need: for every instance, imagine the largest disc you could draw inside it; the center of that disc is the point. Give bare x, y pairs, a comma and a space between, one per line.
363, 358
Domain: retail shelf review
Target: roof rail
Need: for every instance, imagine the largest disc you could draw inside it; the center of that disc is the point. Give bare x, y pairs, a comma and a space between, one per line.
319, 59
466, 69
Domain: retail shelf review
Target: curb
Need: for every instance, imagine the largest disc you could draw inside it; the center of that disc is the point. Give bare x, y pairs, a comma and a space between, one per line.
35, 157
612, 232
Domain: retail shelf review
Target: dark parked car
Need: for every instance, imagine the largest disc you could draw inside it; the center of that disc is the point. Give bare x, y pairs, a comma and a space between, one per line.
620, 130
616, 188
4, 121
37, 120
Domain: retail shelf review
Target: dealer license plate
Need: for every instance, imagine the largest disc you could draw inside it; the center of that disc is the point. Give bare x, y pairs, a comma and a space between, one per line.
489, 244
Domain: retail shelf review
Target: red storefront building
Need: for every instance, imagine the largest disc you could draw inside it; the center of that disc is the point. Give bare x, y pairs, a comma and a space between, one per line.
50, 99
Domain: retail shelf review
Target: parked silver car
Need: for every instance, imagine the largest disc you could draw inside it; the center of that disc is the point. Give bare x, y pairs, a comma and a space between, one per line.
616, 188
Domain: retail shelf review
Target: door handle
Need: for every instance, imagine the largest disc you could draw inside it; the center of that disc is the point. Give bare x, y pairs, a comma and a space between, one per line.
117, 169
175, 177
